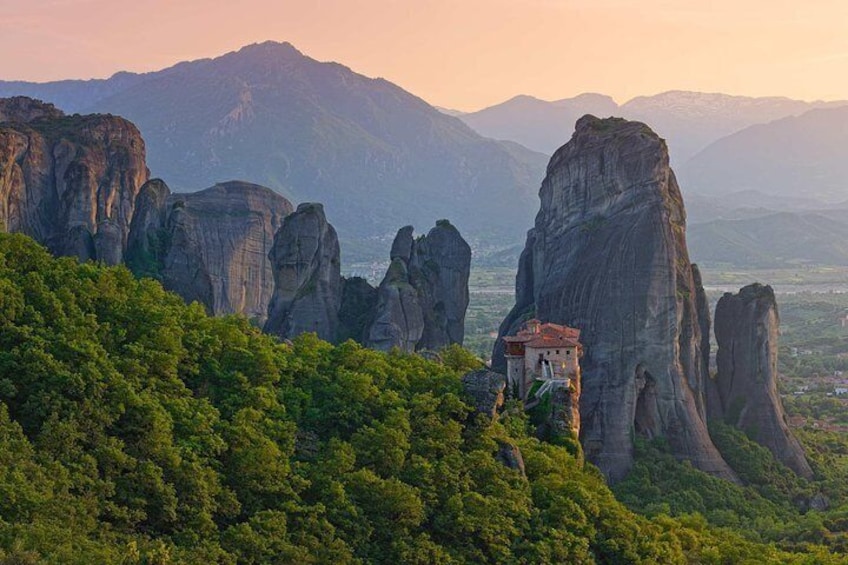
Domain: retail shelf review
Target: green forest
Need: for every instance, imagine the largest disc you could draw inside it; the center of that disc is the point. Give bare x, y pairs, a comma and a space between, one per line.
135, 429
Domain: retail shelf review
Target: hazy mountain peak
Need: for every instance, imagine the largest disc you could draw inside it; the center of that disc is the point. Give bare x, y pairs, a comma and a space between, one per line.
588, 98
518, 100
269, 50
691, 101
375, 154
538, 124
794, 156
123, 75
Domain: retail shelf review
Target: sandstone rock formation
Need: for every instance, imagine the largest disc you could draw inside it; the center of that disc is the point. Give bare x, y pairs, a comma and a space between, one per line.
210, 246
357, 310
307, 279
485, 389
509, 455
399, 318
424, 295
70, 182
746, 329
444, 263
608, 256
564, 418
22, 109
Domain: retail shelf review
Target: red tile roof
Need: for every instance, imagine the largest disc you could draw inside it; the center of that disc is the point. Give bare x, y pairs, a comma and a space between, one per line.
537, 335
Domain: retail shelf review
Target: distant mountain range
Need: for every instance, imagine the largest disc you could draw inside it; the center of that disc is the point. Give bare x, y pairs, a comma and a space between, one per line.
377, 156
537, 124
765, 179
772, 194
800, 157
689, 121
752, 238
771, 240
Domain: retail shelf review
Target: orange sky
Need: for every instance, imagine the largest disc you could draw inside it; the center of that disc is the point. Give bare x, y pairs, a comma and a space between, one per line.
463, 54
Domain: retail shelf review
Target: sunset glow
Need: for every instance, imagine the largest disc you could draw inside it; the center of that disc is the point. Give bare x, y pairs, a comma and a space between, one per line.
461, 54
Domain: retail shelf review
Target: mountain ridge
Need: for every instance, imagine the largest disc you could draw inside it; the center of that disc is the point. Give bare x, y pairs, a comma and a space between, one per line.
377, 155
788, 157
689, 120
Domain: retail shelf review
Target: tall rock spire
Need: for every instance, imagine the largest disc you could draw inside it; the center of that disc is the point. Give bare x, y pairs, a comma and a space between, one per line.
424, 295
307, 279
608, 255
746, 328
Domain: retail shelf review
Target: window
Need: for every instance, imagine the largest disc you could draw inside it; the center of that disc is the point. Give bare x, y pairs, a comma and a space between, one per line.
568, 352
557, 351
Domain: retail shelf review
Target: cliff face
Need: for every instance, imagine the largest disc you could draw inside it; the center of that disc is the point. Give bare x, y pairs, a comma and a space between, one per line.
69, 182
399, 318
357, 309
210, 246
746, 329
305, 262
608, 256
444, 263
22, 109
422, 300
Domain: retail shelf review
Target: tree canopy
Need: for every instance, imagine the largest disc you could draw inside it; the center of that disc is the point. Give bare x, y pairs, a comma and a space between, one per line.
135, 429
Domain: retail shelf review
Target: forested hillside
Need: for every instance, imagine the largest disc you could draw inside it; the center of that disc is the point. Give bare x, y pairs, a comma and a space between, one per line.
136, 429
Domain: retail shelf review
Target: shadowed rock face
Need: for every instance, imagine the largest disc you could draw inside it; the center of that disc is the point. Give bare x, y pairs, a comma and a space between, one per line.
357, 310
399, 318
422, 300
444, 263
70, 182
210, 246
485, 390
608, 255
306, 266
746, 329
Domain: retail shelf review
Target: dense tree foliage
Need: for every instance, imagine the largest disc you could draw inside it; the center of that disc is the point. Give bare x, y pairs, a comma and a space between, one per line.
135, 429
771, 504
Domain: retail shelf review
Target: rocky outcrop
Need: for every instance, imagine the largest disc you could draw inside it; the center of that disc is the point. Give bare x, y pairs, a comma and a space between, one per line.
307, 279
70, 182
703, 391
210, 246
22, 109
564, 418
485, 390
149, 241
746, 329
608, 256
78, 185
399, 317
357, 310
509, 455
555, 407
422, 300
444, 264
